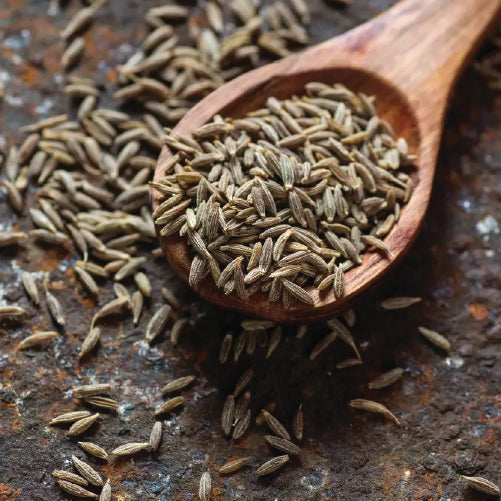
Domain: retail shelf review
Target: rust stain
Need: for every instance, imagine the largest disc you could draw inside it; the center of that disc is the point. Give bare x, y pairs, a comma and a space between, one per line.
426, 395
17, 425
8, 493
217, 492
478, 311
15, 4
30, 75
5, 13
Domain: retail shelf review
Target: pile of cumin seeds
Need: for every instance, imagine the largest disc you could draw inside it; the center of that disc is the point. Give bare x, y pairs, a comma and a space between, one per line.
288, 197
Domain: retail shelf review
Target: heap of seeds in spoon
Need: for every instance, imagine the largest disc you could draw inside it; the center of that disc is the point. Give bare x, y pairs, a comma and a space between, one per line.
288, 197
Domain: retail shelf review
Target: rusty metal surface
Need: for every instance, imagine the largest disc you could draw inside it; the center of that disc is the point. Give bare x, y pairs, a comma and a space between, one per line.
449, 405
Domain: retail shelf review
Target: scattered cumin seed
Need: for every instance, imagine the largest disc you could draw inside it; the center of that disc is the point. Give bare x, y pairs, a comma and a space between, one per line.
435, 338
283, 445
169, 405
106, 491
91, 390
204, 489
178, 384
272, 465
87, 472
70, 477
233, 465
386, 379
94, 450
482, 485
76, 490
371, 406
82, 425
69, 417
36, 340
275, 425
297, 423
130, 448
397, 303
156, 435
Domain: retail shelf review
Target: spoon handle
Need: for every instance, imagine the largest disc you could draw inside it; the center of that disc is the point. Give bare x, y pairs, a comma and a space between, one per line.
422, 46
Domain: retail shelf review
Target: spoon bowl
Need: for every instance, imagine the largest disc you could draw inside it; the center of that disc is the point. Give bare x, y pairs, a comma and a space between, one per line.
410, 70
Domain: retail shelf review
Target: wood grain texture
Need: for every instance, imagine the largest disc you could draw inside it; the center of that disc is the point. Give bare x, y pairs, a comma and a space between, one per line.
409, 58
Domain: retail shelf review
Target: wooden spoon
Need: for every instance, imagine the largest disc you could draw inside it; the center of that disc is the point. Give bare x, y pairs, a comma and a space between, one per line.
409, 58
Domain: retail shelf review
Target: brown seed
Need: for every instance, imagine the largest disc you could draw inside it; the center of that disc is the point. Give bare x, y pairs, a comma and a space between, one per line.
297, 423
233, 465
157, 323
241, 406
371, 406
11, 238
47, 237
171, 298
36, 339
87, 472
91, 389
301, 331
323, 344
106, 492
94, 450
177, 329
204, 489
397, 303
143, 284
90, 341
348, 362
242, 382
129, 268
82, 425
76, 490
80, 20
55, 308
69, 417
11, 312
87, 281
298, 292
242, 425
275, 425
118, 305
130, 448
69, 477
435, 338
169, 405
102, 402
178, 384
41, 220
156, 435
344, 334
228, 414
283, 445
386, 379
272, 465
73, 53
44, 124
15, 197
121, 291
338, 283
137, 306
482, 485
225, 349
169, 12
28, 147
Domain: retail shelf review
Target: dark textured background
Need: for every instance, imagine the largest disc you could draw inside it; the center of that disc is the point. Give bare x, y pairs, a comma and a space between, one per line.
449, 405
